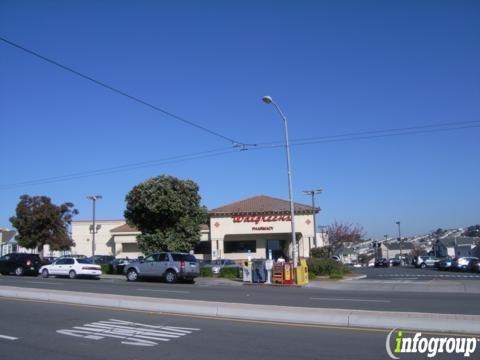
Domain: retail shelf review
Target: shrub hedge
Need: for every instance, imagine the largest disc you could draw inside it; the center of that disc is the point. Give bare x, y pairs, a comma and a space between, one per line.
326, 267
229, 273
105, 269
206, 272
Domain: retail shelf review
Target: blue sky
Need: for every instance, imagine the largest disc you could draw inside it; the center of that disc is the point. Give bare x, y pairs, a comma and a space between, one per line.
335, 67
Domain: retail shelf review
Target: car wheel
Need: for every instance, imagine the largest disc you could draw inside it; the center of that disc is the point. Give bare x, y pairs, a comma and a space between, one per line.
423, 266
19, 271
4, 273
132, 275
72, 274
45, 273
171, 277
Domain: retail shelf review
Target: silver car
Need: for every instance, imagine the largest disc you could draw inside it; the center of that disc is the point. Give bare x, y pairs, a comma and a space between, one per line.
171, 266
217, 265
426, 261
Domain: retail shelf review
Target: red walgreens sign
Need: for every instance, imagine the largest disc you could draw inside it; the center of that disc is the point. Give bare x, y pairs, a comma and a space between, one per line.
260, 218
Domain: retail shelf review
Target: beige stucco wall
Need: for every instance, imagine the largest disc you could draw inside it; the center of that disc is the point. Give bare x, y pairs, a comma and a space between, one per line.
103, 238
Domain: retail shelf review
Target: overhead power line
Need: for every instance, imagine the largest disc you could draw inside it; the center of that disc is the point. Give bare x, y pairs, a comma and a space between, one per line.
380, 133
262, 146
121, 168
123, 93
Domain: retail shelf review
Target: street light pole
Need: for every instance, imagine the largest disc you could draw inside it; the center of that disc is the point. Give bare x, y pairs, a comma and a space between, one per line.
400, 240
94, 199
313, 193
269, 100
386, 237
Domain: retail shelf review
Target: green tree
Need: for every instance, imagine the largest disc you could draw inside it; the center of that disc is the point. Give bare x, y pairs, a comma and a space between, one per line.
473, 231
40, 223
168, 213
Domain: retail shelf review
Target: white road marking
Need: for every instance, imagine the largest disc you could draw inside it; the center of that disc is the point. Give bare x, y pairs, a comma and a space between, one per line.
430, 275
167, 291
130, 333
361, 300
44, 282
8, 337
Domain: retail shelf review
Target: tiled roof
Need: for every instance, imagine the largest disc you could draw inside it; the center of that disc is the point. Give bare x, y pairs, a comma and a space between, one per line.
204, 227
262, 205
396, 246
125, 228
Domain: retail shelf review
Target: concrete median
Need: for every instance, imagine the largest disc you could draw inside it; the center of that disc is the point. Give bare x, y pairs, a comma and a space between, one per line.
288, 314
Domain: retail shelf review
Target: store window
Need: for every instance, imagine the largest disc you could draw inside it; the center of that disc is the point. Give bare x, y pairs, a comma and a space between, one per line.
203, 247
130, 247
240, 246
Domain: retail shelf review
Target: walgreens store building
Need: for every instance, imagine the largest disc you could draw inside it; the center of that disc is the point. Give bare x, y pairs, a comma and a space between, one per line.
259, 224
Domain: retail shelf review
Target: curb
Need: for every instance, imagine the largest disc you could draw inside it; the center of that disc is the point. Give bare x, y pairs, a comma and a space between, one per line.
286, 314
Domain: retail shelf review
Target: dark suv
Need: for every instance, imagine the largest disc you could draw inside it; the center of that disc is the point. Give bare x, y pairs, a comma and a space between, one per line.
170, 266
20, 264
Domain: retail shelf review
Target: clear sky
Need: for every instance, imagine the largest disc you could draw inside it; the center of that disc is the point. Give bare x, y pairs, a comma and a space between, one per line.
335, 67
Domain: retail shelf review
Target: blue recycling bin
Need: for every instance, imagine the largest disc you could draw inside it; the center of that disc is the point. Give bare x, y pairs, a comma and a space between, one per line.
259, 271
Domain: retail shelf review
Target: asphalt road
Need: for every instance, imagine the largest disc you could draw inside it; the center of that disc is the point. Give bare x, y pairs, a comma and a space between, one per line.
447, 303
41, 330
415, 274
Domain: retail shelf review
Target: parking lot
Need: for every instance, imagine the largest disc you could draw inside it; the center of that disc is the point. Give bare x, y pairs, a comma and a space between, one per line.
413, 273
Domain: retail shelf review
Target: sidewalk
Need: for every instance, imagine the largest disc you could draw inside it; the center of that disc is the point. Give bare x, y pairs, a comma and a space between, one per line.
469, 324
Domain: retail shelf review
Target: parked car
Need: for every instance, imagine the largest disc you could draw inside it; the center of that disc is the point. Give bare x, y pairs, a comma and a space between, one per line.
116, 266
461, 263
425, 261
382, 262
445, 264
474, 266
76, 256
394, 262
217, 265
20, 264
205, 263
171, 266
47, 260
71, 267
101, 259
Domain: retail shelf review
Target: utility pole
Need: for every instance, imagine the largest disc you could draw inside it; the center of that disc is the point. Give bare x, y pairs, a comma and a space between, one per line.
400, 240
94, 199
312, 193
386, 237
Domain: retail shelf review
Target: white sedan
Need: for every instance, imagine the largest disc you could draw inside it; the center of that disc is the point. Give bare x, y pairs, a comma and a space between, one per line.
71, 267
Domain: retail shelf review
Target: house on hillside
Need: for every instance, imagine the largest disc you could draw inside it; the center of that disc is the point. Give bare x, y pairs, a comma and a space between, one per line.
347, 255
392, 250
457, 246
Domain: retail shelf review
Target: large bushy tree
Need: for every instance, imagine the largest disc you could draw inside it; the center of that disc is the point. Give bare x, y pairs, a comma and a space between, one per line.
39, 222
167, 212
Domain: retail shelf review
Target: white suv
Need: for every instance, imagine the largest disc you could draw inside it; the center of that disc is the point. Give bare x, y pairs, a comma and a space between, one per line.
424, 261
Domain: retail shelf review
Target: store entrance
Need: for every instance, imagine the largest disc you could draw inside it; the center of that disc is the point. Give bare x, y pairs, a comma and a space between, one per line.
278, 249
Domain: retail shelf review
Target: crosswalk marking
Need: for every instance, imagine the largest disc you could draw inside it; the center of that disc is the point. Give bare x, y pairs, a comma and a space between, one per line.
8, 337
130, 333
